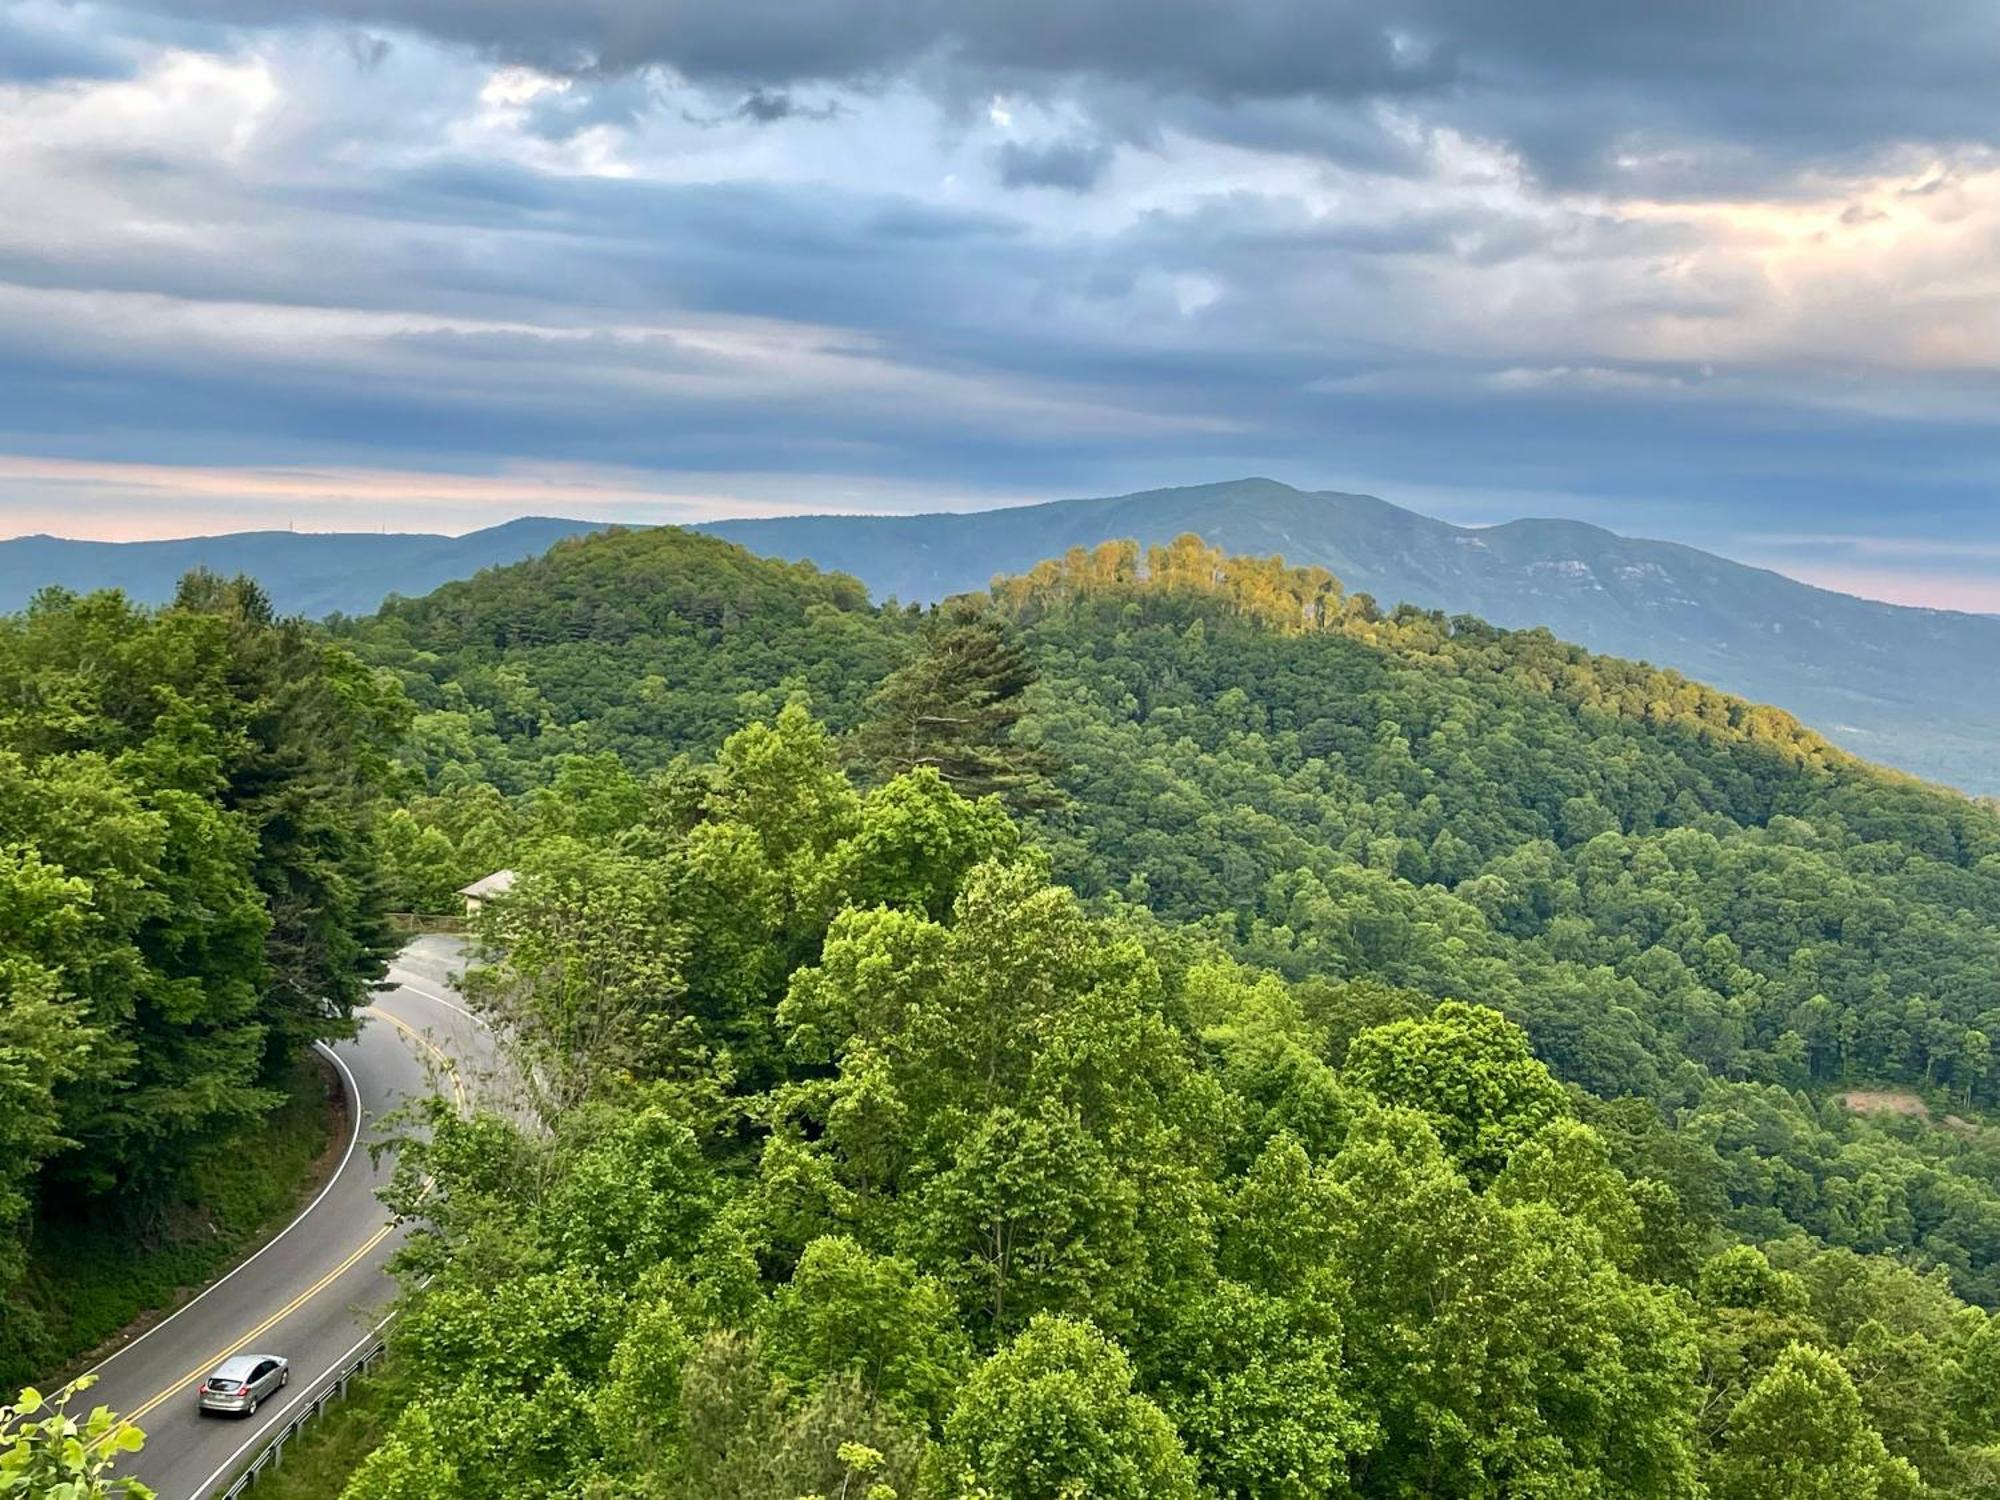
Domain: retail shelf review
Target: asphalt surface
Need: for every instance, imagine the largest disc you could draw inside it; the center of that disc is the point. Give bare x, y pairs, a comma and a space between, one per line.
314, 1293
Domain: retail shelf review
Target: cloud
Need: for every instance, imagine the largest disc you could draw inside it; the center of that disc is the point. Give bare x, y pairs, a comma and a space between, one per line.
116, 501
1072, 165
1584, 378
1670, 99
1631, 262
36, 47
1262, 48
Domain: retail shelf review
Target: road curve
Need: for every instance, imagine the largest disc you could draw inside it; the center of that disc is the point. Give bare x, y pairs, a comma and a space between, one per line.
315, 1291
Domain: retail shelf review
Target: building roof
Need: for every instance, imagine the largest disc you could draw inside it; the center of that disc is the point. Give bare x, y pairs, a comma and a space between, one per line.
496, 884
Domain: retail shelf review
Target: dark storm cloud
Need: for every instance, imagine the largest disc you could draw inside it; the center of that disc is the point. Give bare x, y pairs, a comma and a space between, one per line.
768, 106
334, 230
1072, 165
1587, 91
1261, 48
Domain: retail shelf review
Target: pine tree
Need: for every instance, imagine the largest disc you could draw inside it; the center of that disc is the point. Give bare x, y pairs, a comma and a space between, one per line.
955, 707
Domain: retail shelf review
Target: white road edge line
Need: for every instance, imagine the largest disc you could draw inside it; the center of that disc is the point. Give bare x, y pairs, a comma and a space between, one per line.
404, 984
353, 1139
207, 1486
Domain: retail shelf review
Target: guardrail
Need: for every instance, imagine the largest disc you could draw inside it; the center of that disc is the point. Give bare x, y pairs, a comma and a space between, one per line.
333, 1388
426, 921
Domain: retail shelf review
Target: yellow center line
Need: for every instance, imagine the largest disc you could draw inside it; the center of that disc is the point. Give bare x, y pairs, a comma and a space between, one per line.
209, 1364
277, 1317
444, 1060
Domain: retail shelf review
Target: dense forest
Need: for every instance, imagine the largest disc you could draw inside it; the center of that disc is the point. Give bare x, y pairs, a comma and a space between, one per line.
190, 891
861, 1157
1165, 1026
1681, 896
1162, 1026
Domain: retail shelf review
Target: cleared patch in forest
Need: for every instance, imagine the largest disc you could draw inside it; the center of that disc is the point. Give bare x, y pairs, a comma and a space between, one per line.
1885, 1101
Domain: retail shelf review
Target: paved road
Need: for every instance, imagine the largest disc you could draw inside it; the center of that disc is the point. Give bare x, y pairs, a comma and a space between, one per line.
313, 1293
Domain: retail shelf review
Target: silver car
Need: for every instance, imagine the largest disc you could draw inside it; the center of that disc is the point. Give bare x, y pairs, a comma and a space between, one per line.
239, 1383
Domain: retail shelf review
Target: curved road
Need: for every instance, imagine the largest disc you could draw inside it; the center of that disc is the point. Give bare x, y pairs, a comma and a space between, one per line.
316, 1291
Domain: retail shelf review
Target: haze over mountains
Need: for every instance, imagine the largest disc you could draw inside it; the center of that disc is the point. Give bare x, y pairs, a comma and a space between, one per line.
306, 573
1914, 688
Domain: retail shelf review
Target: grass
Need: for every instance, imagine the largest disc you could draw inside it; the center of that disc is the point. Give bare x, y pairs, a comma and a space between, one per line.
319, 1461
87, 1280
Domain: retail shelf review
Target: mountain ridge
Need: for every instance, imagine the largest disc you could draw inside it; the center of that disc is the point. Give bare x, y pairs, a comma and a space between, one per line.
305, 572
1912, 687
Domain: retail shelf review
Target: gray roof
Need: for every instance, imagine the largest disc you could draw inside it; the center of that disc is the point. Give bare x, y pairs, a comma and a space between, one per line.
496, 884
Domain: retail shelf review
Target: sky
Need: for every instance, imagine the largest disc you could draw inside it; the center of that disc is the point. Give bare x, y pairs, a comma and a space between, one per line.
1715, 272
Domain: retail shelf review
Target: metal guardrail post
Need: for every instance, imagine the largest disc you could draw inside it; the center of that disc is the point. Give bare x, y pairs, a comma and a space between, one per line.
273, 1451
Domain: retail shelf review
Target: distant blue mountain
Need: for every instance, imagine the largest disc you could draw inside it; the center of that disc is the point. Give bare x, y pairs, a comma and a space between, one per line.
305, 573
1916, 688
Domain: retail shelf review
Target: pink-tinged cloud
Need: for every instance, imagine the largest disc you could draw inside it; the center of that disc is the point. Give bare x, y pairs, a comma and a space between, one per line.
106, 501
1974, 593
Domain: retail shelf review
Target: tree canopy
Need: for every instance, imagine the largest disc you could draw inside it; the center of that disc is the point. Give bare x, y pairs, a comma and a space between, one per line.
1390, 1056
189, 887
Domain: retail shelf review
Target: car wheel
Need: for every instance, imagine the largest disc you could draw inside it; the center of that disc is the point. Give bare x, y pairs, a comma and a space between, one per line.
253, 1408
284, 1378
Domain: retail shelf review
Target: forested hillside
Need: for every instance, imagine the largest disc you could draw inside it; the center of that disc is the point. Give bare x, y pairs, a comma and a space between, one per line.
643, 643
1913, 687
189, 893
1347, 1054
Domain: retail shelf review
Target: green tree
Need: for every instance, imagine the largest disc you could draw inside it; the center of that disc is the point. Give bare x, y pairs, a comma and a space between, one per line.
1053, 1416
1469, 1070
47, 1454
1567, 1166
316, 733
44, 1042
752, 1437
1498, 1347
210, 776
878, 1318
1008, 1100
1799, 1434
1255, 1385
587, 977
955, 708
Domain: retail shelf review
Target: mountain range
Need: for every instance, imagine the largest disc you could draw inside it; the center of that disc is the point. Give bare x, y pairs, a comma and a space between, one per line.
305, 573
1913, 688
